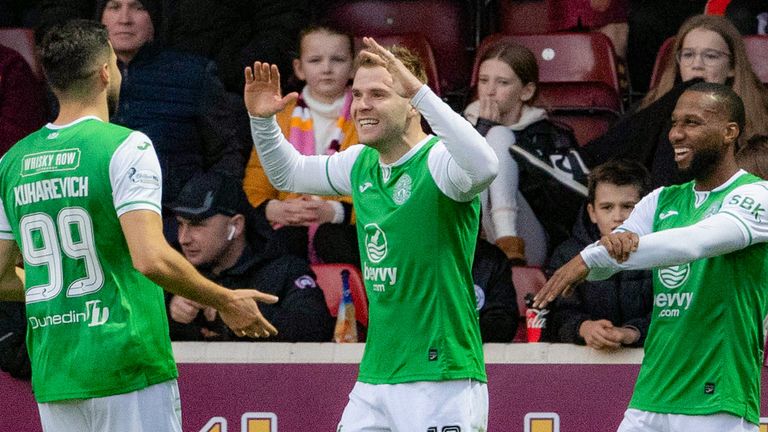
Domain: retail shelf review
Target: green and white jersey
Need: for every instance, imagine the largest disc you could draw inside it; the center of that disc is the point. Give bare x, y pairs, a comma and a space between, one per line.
417, 222
704, 347
416, 248
96, 326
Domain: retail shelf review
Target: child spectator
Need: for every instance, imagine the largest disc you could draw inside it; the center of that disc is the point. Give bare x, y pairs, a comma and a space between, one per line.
614, 312
317, 123
507, 80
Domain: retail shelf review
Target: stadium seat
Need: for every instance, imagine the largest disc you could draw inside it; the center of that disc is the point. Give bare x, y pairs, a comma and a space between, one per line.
578, 84
450, 36
417, 43
329, 279
524, 17
526, 280
22, 40
757, 52
564, 57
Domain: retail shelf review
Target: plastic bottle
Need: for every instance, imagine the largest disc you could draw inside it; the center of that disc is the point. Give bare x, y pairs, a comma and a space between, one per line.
535, 320
346, 324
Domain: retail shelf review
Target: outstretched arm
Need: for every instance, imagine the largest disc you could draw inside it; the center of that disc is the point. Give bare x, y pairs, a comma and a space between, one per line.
285, 167
467, 164
153, 257
738, 224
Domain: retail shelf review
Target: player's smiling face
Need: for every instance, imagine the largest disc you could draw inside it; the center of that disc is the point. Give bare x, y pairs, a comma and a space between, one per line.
698, 132
380, 114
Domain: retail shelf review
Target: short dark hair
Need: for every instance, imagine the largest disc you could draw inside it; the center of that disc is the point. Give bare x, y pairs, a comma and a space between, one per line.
619, 172
70, 51
727, 98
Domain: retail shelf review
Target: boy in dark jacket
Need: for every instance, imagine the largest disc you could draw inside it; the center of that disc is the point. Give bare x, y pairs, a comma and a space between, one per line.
614, 312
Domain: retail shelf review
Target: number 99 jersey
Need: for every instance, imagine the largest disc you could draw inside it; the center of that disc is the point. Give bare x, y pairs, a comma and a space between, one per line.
96, 326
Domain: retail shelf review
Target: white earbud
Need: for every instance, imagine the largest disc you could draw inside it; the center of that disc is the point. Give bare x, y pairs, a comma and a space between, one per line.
231, 233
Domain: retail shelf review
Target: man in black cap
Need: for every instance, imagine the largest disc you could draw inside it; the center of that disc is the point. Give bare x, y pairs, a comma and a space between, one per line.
175, 98
217, 235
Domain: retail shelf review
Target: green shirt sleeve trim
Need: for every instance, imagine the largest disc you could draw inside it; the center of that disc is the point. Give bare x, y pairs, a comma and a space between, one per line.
328, 177
738, 219
138, 202
6, 232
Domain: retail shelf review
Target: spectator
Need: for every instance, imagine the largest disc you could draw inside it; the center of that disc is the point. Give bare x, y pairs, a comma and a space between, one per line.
706, 47
605, 16
495, 293
214, 234
753, 156
175, 98
318, 122
617, 311
22, 100
507, 80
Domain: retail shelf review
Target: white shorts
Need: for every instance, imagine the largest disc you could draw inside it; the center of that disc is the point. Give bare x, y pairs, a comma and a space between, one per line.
428, 406
156, 408
645, 421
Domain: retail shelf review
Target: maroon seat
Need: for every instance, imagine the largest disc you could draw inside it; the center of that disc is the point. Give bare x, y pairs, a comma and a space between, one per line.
757, 52
329, 278
578, 84
564, 57
417, 43
444, 23
22, 40
524, 17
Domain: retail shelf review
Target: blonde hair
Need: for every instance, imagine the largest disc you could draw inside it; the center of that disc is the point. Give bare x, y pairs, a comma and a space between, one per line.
744, 81
411, 61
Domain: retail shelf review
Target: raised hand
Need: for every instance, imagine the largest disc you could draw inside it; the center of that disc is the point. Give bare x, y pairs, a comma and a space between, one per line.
242, 314
262, 94
619, 245
489, 110
573, 272
405, 83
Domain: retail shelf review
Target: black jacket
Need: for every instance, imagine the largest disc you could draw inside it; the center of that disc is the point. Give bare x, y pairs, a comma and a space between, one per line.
495, 293
625, 299
300, 315
176, 99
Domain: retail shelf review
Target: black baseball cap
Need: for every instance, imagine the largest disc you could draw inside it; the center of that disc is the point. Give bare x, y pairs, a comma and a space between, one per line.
209, 194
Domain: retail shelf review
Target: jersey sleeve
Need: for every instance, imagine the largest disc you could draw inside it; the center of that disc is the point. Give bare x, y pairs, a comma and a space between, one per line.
739, 223
748, 205
640, 221
289, 170
134, 173
463, 164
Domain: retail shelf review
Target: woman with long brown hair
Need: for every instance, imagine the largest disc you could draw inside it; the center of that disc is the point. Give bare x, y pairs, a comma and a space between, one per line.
706, 48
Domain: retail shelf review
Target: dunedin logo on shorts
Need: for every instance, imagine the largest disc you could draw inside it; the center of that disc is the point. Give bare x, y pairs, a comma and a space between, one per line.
402, 190
375, 243
674, 276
